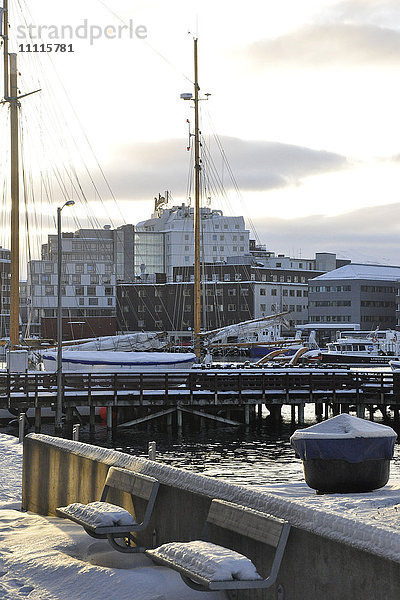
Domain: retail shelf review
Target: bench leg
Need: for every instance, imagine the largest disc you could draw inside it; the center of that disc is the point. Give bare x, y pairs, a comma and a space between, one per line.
123, 546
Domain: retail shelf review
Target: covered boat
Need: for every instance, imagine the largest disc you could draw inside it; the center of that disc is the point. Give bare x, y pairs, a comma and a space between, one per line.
107, 362
345, 454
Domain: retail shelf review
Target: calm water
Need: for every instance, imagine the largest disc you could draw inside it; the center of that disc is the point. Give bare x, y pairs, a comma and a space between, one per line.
253, 457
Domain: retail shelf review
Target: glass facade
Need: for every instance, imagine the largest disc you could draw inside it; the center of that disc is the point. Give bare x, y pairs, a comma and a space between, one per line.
149, 252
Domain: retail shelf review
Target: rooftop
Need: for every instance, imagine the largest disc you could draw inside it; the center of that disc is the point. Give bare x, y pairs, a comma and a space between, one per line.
361, 272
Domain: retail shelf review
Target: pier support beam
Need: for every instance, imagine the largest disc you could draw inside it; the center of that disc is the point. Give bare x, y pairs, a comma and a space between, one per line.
92, 418
259, 411
179, 418
361, 410
109, 418
300, 413
38, 419
318, 410
247, 414
326, 410
293, 413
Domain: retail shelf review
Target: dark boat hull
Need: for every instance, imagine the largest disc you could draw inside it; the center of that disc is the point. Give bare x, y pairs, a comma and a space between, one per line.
347, 359
341, 476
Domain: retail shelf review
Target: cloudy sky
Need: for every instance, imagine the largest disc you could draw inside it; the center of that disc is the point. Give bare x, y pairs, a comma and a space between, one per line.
304, 98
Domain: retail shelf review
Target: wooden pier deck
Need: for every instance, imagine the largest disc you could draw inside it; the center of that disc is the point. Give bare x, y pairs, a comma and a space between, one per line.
158, 393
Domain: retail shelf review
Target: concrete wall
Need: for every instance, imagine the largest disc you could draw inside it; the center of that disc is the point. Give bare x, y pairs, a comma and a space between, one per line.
57, 472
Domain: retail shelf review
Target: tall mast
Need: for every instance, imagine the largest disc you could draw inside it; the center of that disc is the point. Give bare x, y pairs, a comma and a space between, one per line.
5, 46
197, 167
14, 293
11, 96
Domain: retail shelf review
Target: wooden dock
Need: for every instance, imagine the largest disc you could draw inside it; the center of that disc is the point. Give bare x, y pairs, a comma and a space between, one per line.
209, 393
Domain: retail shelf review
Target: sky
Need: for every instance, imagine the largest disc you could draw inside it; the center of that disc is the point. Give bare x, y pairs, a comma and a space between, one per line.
304, 99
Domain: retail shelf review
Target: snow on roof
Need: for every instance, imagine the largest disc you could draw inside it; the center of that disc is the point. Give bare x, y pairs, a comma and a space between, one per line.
360, 271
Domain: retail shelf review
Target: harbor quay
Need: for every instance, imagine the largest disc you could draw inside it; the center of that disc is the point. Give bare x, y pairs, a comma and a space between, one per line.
329, 554
233, 396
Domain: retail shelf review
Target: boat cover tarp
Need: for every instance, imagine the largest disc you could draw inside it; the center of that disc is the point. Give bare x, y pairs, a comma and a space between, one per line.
121, 358
345, 437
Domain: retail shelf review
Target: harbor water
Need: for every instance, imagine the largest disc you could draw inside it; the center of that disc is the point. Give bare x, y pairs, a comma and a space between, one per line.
248, 456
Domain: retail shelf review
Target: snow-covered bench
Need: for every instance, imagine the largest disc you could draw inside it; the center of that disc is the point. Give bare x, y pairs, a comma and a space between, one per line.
104, 520
207, 566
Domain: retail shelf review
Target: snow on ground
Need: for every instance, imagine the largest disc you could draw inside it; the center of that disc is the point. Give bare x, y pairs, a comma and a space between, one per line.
46, 558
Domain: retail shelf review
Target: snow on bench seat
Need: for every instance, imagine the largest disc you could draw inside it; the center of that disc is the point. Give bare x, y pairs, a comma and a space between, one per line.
98, 514
212, 562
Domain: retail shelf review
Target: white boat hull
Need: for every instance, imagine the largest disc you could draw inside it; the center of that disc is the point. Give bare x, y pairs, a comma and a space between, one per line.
115, 362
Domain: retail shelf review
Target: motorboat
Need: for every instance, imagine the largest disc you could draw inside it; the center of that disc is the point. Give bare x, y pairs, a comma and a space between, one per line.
362, 347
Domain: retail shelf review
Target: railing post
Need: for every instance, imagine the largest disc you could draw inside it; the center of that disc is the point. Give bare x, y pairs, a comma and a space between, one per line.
75, 432
152, 450
21, 427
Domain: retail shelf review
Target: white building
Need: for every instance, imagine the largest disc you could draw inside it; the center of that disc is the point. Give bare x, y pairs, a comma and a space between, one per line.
167, 239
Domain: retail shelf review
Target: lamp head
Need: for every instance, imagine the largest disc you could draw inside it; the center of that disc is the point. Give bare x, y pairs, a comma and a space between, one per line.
69, 203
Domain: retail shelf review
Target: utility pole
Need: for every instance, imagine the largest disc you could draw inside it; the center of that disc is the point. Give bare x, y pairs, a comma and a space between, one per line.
197, 216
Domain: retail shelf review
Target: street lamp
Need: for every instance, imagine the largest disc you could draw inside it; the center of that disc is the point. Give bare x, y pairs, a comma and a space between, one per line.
58, 421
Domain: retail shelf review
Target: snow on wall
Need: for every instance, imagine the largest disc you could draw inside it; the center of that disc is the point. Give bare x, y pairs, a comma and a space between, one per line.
328, 515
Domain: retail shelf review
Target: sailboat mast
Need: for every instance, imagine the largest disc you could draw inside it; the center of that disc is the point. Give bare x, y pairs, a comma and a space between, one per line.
14, 292
197, 167
5, 46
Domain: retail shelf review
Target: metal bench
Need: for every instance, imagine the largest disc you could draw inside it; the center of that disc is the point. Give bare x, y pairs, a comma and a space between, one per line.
200, 574
139, 486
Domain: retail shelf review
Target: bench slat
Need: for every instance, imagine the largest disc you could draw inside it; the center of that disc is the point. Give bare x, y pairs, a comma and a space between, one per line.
251, 523
133, 483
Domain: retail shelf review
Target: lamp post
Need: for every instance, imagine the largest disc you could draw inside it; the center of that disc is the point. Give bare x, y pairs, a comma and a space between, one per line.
58, 421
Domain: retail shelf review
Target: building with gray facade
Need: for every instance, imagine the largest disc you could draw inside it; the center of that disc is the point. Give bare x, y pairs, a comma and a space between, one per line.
364, 295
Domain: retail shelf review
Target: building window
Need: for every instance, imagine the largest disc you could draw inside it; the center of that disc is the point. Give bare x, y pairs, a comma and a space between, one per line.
231, 292
139, 323
157, 308
142, 293
49, 290
263, 307
94, 279
108, 291
79, 290
110, 301
140, 308
231, 307
227, 277
93, 301
91, 290
78, 268
263, 292
273, 292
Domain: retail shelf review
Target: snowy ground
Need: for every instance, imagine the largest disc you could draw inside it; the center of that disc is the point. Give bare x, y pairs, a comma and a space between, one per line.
43, 558
46, 558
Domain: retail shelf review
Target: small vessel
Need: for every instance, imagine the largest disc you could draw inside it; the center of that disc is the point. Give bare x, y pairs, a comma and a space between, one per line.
363, 347
99, 361
345, 454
